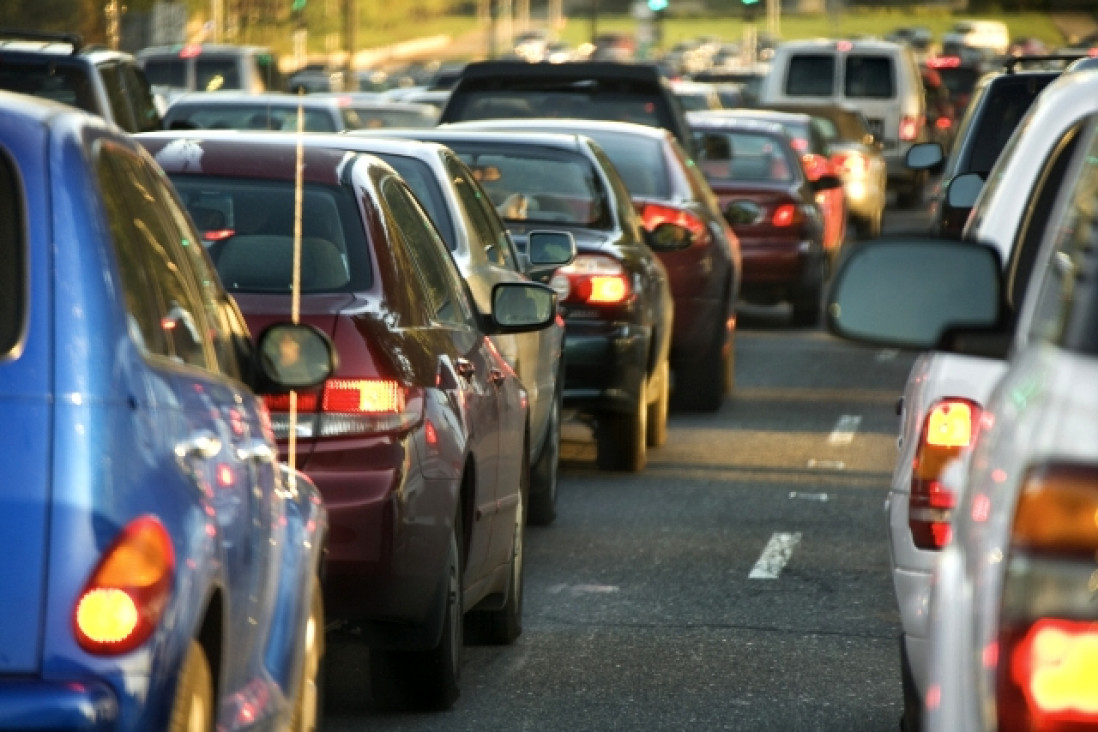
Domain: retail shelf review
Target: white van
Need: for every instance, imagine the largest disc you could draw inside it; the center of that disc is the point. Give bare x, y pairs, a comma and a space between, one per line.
879, 78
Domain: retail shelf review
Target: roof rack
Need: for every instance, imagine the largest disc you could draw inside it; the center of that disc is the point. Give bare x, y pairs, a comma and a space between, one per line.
46, 37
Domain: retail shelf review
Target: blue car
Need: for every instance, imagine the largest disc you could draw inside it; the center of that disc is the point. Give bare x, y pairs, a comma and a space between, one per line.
160, 568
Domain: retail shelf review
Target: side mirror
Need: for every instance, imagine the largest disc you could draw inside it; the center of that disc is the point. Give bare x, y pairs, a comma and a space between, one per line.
294, 356
518, 307
909, 292
962, 191
550, 249
668, 237
743, 212
925, 156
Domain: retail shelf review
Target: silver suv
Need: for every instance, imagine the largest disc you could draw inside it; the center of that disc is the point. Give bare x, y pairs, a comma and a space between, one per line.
58, 66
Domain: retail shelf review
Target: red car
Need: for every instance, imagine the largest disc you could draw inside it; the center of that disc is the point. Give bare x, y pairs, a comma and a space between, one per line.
816, 159
772, 206
418, 441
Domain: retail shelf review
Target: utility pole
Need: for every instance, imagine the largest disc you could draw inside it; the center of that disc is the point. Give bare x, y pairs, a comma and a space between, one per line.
594, 20
113, 11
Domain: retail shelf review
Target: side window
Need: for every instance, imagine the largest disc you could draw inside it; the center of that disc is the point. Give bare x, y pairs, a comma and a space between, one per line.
1071, 246
13, 253
167, 312
487, 228
437, 270
869, 77
145, 114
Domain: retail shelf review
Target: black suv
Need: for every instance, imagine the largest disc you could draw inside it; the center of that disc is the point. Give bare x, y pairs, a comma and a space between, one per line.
628, 92
998, 103
60, 67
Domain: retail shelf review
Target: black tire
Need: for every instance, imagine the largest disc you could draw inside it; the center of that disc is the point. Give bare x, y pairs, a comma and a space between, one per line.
426, 680
310, 687
702, 386
544, 473
193, 706
621, 439
807, 305
912, 719
503, 626
656, 419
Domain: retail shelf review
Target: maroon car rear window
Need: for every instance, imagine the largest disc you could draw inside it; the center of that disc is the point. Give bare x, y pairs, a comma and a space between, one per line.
13, 254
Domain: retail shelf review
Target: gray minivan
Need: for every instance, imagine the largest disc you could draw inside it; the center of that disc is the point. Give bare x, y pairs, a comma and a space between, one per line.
173, 70
879, 78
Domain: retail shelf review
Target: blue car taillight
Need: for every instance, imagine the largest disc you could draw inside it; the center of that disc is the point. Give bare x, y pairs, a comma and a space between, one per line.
1046, 653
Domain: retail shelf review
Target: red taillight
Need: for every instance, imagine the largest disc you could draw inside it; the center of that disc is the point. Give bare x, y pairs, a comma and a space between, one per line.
348, 407
909, 128
949, 430
943, 123
654, 214
592, 279
1047, 665
125, 598
799, 144
218, 234
786, 214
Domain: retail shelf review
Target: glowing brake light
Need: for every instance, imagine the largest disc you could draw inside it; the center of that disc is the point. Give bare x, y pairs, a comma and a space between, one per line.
1047, 667
949, 430
909, 128
593, 279
944, 62
124, 599
348, 407
851, 163
787, 214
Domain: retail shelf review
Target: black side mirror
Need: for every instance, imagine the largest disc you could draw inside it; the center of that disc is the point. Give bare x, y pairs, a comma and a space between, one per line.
668, 237
827, 183
743, 212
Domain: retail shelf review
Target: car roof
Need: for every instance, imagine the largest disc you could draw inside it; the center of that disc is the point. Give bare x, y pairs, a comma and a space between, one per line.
443, 134
565, 124
841, 44
237, 97
189, 50
514, 69
36, 43
738, 123
772, 115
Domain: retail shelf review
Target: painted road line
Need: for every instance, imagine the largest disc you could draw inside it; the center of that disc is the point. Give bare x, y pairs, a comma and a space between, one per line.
826, 464
775, 556
845, 429
821, 497
887, 354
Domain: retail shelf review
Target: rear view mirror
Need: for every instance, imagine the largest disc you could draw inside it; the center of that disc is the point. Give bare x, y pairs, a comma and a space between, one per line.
908, 292
295, 356
742, 212
963, 190
523, 306
925, 156
550, 248
668, 237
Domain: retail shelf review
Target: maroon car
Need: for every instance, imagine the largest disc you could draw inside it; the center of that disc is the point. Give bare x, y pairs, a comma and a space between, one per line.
770, 203
418, 441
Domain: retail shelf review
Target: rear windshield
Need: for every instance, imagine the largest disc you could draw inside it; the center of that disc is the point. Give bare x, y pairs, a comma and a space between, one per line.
166, 72
248, 229
811, 75
12, 258
640, 163
538, 184
581, 100
63, 82
869, 77
247, 117
739, 155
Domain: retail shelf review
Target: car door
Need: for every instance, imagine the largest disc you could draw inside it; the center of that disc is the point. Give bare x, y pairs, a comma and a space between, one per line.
482, 372
210, 415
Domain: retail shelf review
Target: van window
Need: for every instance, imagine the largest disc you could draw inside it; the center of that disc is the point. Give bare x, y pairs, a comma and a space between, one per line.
13, 252
869, 77
167, 72
216, 74
811, 75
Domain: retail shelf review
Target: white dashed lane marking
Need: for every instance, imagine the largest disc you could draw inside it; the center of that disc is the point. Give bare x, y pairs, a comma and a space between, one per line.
775, 556
845, 429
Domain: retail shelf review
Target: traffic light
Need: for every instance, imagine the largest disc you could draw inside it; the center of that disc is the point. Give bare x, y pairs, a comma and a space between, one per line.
657, 6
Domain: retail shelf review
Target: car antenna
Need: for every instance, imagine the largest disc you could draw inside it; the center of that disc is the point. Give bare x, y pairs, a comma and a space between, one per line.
295, 284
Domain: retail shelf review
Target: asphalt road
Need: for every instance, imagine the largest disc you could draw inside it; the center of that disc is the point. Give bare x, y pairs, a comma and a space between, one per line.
739, 583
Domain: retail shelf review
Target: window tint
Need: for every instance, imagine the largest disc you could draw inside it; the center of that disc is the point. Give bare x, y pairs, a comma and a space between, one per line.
257, 116
111, 74
166, 311
60, 81
143, 107
437, 271
216, 74
1004, 107
422, 181
166, 72
13, 252
639, 161
811, 75
488, 231
869, 77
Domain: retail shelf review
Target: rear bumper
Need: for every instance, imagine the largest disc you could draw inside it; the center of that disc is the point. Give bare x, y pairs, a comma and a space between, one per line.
775, 272
606, 364
74, 705
696, 320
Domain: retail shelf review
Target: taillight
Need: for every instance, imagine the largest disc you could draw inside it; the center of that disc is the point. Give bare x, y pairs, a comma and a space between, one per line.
786, 214
909, 128
348, 407
218, 234
1046, 655
949, 430
123, 601
943, 123
654, 214
592, 279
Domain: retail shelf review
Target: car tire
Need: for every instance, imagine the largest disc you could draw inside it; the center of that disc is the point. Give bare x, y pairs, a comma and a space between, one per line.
544, 473
426, 680
694, 385
621, 440
656, 419
503, 626
807, 304
912, 719
310, 685
193, 706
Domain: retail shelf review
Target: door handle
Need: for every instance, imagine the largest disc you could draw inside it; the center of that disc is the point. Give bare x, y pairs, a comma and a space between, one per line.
202, 443
465, 368
255, 449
